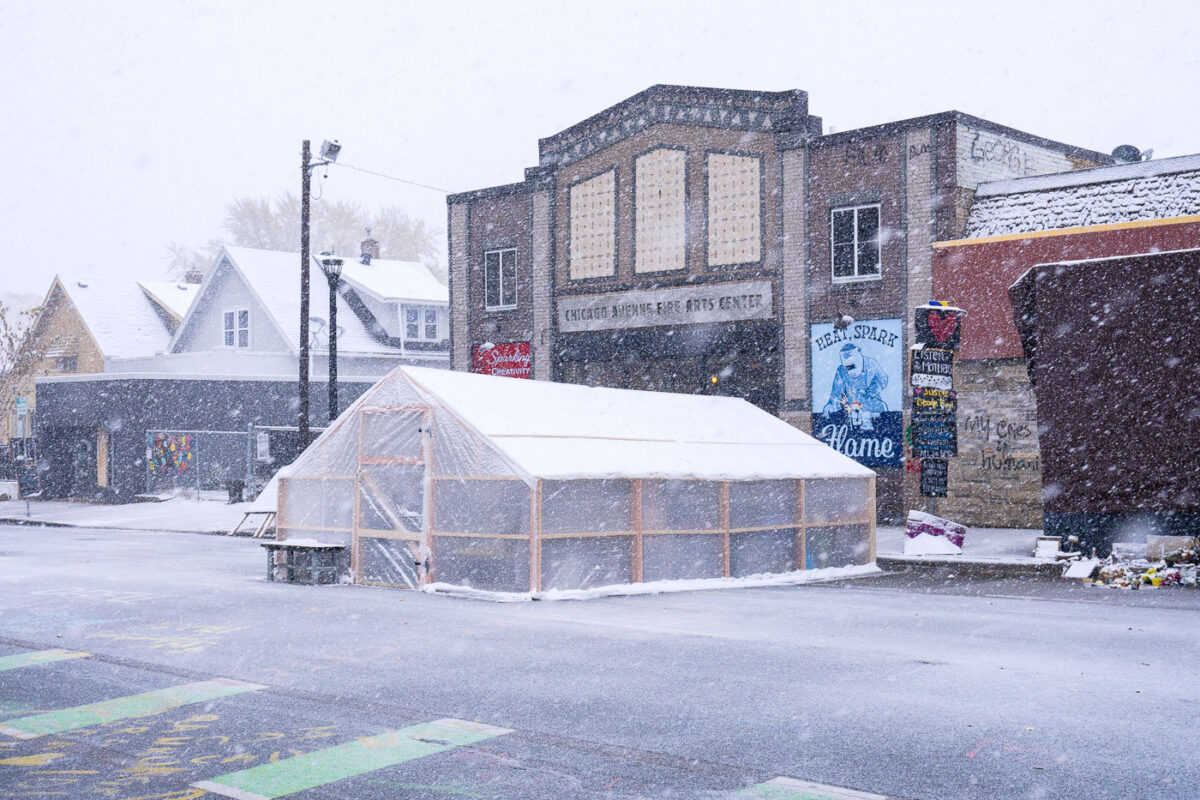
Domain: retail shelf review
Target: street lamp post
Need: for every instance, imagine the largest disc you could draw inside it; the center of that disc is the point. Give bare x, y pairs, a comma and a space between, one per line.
332, 267
329, 154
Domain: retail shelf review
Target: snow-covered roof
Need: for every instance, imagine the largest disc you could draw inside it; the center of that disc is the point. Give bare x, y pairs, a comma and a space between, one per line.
174, 296
118, 315
559, 431
395, 281
1161, 189
274, 278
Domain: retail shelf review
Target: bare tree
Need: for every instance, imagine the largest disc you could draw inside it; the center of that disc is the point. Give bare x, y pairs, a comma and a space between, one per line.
20, 355
274, 224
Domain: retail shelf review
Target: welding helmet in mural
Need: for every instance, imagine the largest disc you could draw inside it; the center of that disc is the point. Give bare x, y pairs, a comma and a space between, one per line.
857, 388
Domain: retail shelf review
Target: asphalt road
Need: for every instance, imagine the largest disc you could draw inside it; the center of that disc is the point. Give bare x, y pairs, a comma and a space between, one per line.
198, 671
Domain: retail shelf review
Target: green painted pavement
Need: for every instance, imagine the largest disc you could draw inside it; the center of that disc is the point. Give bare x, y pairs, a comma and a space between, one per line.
138, 705
37, 657
268, 781
792, 789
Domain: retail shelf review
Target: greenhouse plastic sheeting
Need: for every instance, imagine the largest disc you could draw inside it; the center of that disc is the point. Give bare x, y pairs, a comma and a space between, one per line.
516, 485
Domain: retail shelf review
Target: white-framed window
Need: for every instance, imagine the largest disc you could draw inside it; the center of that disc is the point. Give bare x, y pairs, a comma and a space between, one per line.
237, 328
500, 279
422, 324
854, 233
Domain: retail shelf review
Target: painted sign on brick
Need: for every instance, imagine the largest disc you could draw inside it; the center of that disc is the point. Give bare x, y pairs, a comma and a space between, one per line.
985, 156
857, 380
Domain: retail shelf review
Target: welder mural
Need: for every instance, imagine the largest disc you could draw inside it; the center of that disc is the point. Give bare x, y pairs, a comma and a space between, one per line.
857, 377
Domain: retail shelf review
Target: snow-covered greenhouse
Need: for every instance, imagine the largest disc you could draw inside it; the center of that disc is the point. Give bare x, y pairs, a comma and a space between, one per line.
516, 485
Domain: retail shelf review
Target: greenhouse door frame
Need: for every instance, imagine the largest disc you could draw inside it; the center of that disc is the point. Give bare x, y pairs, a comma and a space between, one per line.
425, 462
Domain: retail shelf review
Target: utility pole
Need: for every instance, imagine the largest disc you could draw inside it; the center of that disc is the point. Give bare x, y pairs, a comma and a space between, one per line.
305, 179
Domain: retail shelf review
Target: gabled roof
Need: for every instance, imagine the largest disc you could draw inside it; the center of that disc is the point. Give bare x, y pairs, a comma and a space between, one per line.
117, 314
560, 431
273, 278
1163, 189
174, 297
395, 281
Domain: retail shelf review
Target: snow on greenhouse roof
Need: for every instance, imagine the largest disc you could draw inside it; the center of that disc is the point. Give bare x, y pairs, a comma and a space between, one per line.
395, 280
1162, 189
175, 296
560, 431
117, 314
274, 276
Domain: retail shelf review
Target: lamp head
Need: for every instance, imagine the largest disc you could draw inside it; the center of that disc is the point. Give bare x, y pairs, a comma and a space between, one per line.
330, 150
332, 267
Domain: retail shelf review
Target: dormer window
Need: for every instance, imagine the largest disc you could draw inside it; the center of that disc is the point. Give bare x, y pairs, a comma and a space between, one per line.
422, 324
237, 328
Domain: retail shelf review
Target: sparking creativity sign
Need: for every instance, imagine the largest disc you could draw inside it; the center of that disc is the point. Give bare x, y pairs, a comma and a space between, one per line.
857, 390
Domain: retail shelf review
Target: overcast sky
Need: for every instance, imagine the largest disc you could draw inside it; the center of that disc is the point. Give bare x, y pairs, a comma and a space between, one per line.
128, 125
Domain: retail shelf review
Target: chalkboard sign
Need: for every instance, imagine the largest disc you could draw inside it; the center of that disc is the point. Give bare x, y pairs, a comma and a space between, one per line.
934, 436
934, 472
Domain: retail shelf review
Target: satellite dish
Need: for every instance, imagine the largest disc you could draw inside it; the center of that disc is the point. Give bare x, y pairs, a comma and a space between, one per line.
1126, 154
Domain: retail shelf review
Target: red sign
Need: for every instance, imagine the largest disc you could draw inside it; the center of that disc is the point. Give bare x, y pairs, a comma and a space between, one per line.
509, 359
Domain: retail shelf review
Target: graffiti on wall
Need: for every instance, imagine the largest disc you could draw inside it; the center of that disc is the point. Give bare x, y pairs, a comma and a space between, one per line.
1004, 445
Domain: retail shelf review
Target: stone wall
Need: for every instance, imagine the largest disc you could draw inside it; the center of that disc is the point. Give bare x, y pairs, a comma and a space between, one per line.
996, 481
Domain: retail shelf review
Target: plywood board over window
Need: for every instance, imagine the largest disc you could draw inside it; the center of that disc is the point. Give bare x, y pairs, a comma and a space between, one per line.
734, 209
593, 227
661, 211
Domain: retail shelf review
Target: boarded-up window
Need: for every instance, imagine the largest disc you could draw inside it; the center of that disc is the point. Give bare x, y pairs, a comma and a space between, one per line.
734, 210
660, 204
593, 227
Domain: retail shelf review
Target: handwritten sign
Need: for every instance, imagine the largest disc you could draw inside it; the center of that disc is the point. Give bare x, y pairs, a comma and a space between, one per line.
934, 473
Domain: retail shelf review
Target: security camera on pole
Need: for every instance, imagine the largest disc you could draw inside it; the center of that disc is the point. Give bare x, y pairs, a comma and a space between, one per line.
934, 431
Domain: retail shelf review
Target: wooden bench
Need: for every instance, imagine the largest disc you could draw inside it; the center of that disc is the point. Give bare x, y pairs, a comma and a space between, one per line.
322, 565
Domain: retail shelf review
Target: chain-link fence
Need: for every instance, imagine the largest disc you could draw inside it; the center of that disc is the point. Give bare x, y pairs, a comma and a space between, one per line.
202, 461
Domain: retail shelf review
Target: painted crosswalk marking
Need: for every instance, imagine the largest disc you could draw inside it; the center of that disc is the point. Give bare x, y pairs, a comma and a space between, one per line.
138, 705
268, 781
792, 789
37, 657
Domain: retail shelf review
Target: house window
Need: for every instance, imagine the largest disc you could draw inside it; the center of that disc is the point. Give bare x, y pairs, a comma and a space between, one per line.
855, 235
68, 363
660, 239
422, 323
237, 328
500, 279
431, 324
593, 227
734, 210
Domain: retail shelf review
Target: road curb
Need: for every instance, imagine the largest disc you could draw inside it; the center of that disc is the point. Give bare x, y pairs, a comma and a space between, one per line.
944, 567
45, 523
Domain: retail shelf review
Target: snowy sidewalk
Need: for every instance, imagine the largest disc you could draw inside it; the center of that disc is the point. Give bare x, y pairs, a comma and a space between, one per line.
176, 514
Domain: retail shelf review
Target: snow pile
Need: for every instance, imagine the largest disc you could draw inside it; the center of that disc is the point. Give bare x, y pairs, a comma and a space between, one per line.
661, 587
927, 535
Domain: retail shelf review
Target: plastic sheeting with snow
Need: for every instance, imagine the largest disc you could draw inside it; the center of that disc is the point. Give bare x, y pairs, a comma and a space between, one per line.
512, 485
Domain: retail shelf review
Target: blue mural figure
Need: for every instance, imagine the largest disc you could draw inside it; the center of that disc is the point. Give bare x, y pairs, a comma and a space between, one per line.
857, 387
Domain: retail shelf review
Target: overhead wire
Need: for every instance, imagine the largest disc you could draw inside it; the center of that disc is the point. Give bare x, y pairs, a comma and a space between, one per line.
391, 177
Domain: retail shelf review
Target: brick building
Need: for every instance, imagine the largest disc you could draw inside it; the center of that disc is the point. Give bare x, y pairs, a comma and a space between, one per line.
1121, 210
710, 240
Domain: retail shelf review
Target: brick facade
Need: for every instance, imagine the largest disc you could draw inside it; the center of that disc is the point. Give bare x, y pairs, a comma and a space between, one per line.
920, 172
